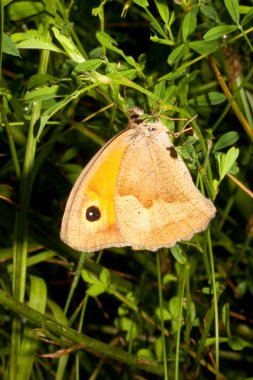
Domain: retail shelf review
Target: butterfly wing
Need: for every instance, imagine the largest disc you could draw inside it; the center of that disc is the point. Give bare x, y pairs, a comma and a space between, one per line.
89, 222
156, 201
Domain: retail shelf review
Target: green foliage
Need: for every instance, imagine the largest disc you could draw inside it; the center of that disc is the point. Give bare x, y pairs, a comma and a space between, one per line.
70, 72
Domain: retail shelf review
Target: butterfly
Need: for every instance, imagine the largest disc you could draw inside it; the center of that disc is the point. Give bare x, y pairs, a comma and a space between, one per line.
136, 191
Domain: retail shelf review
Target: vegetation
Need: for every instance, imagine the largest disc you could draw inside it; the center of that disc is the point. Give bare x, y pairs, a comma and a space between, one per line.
70, 72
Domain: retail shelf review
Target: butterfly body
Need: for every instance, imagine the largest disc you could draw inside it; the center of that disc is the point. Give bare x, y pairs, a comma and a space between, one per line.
136, 191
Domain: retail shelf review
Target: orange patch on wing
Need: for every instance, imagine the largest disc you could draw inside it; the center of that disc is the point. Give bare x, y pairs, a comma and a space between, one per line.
101, 186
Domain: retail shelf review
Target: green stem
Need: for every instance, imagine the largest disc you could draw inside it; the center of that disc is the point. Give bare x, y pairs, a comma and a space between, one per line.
181, 297
3, 111
215, 302
90, 344
75, 281
211, 315
165, 367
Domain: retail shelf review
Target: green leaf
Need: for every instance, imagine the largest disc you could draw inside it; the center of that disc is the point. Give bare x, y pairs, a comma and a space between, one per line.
174, 306
72, 171
123, 309
24, 9
189, 25
98, 285
225, 140
141, 3
68, 45
162, 40
29, 343
108, 42
219, 31
40, 257
212, 98
204, 47
212, 341
242, 288
206, 290
187, 150
9, 46
159, 348
248, 17
237, 343
89, 277
68, 155
174, 75
95, 290
6, 192
126, 324
33, 39
145, 353
169, 277
215, 184
132, 333
105, 276
42, 93
36, 44
38, 293
171, 94
177, 253
38, 80
163, 10
176, 54
166, 314
225, 318
99, 10
192, 312
160, 89
233, 9
30, 34
209, 12
90, 65
57, 312
226, 161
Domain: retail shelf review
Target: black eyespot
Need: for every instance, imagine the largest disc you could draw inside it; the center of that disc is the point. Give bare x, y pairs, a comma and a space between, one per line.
151, 129
173, 152
93, 214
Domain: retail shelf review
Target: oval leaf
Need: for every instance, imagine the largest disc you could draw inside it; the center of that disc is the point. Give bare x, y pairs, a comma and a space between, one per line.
226, 161
219, 31
108, 42
9, 46
237, 343
177, 54
141, 3
233, 9
189, 25
213, 98
204, 47
24, 9
177, 253
209, 12
248, 17
95, 290
163, 9
90, 65
226, 140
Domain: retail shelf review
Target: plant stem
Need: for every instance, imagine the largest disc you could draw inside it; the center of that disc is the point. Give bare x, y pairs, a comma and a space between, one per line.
90, 344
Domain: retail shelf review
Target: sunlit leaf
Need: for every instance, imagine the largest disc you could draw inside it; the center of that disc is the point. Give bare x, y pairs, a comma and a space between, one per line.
233, 9
219, 31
